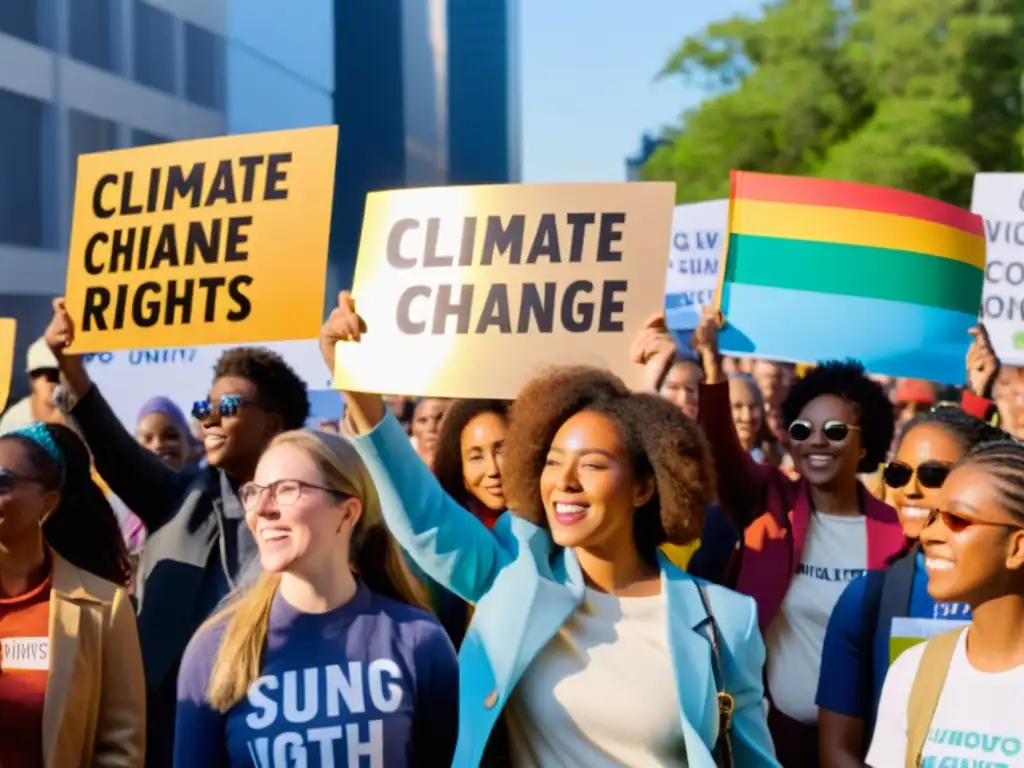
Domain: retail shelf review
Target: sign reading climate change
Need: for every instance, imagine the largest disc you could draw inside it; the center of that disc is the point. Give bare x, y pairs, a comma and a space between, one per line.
215, 241
468, 291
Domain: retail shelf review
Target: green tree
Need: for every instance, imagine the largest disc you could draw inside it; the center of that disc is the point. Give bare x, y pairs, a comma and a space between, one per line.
913, 94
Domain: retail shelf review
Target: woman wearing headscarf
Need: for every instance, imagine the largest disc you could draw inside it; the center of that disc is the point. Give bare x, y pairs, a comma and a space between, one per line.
72, 693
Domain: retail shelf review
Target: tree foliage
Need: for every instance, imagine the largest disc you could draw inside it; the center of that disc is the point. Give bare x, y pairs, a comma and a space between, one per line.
913, 94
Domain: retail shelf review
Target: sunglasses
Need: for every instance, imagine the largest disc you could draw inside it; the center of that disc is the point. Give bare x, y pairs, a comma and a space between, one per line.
957, 523
835, 431
228, 405
930, 474
8, 480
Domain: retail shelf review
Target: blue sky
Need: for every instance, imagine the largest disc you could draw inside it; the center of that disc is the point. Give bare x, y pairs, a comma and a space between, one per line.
587, 79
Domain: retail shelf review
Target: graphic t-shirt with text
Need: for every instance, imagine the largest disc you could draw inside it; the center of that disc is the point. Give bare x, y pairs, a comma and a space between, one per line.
977, 722
835, 553
24, 670
372, 684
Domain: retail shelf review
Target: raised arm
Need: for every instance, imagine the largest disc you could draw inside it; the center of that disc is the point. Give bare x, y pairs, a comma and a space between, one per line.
140, 479
741, 480
446, 540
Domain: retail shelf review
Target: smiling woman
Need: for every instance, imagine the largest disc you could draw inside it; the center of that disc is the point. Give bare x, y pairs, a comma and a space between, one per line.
335, 604
965, 686
587, 643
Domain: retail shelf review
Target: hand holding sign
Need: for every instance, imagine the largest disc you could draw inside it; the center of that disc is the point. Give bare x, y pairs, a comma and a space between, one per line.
654, 349
982, 363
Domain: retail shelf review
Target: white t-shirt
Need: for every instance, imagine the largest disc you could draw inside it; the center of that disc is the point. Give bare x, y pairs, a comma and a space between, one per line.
978, 721
835, 553
602, 693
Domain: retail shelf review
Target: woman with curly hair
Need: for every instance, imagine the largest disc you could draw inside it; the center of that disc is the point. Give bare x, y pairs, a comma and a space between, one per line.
802, 540
469, 456
595, 649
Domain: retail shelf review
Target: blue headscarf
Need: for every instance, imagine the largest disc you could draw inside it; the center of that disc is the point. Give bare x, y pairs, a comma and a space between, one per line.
40, 435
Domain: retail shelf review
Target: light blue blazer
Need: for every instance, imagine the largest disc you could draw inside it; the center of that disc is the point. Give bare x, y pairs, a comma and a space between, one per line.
525, 587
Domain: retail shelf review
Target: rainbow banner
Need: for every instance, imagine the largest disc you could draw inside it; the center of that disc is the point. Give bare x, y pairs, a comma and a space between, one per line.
818, 269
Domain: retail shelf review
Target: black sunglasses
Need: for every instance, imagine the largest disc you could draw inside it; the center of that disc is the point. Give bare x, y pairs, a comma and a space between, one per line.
835, 431
930, 474
9, 479
228, 405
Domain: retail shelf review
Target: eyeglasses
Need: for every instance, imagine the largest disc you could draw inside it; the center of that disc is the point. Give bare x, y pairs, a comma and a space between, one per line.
228, 405
958, 523
284, 492
9, 479
930, 474
835, 431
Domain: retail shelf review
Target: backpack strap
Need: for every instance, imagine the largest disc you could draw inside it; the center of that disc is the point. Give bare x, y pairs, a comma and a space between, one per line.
722, 751
926, 691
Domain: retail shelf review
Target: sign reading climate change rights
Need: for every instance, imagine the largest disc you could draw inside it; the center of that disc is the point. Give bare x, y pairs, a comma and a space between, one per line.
469, 291
214, 241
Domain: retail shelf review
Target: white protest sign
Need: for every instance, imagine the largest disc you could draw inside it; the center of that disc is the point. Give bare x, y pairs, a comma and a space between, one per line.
698, 237
999, 198
129, 378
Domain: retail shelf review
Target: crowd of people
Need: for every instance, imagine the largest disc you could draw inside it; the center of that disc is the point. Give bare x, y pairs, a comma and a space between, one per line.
719, 570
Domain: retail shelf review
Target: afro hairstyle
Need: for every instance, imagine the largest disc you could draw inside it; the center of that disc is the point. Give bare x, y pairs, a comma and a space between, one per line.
661, 442
280, 389
849, 381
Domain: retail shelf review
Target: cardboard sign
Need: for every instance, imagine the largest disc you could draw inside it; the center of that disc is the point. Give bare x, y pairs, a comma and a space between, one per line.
471, 291
216, 241
999, 197
698, 239
8, 333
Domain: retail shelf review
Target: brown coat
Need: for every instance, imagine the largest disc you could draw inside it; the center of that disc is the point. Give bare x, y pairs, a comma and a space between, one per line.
94, 713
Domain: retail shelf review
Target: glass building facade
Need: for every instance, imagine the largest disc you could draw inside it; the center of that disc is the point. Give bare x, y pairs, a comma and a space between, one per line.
425, 93
80, 76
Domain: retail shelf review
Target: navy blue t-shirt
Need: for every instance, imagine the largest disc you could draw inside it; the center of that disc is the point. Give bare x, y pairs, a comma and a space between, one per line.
850, 656
372, 684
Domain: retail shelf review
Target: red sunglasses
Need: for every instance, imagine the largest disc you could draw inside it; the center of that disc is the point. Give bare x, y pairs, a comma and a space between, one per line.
958, 523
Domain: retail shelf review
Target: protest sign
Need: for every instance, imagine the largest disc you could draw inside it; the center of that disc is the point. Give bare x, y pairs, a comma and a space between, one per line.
470, 291
129, 378
8, 333
214, 241
819, 270
698, 241
999, 198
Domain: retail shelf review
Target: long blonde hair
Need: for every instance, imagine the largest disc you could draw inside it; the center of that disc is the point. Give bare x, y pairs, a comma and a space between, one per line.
375, 556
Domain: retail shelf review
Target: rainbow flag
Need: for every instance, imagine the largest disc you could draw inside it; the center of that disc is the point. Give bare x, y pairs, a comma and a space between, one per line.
818, 269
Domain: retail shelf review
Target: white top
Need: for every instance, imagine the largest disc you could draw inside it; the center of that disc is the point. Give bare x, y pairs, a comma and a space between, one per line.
978, 721
835, 553
602, 693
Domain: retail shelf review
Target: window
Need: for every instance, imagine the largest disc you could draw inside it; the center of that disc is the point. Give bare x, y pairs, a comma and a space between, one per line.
92, 32
204, 67
87, 134
142, 138
22, 182
21, 19
155, 60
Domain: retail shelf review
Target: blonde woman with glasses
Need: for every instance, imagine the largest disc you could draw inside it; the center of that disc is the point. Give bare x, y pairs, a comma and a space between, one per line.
330, 657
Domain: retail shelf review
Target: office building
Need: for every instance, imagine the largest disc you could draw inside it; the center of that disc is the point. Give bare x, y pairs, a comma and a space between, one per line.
426, 94
483, 91
80, 76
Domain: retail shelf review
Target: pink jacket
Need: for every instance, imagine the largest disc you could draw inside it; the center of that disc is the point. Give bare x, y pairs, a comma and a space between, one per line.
774, 511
